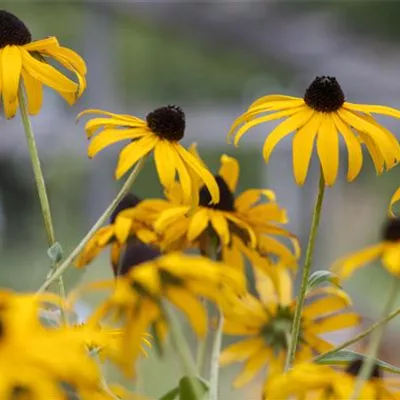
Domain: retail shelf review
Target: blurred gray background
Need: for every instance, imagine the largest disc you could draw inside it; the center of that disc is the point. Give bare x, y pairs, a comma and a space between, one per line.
213, 58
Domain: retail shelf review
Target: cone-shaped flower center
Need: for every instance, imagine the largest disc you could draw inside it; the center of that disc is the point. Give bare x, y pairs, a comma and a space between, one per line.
129, 201
12, 30
226, 197
324, 94
167, 122
391, 231
355, 367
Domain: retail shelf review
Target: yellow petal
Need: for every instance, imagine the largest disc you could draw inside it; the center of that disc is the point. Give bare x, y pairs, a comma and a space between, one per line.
220, 225
42, 44
355, 156
345, 266
391, 258
164, 163
122, 228
113, 122
395, 198
240, 351
229, 171
248, 198
198, 224
317, 344
11, 64
34, 93
186, 177
285, 128
47, 74
367, 108
303, 142
109, 137
275, 98
132, 153
325, 305
169, 216
328, 149
335, 323
374, 152
192, 308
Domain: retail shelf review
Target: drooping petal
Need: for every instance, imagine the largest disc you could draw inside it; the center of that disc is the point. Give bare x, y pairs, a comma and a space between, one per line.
285, 128
248, 198
391, 258
336, 323
317, 344
198, 224
34, 93
165, 166
275, 98
354, 151
186, 176
229, 171
374, 109
11, 64
122, 228
95, 124
240, 351
303, 142
220, 225
42, 44
395, 198
325, 305
374, 152
328, 149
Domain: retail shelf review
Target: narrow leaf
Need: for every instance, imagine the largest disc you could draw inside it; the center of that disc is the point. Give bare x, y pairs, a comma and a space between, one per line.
171, 395
186, 391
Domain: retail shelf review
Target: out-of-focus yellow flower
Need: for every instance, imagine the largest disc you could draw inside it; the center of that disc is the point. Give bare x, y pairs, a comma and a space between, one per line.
265, 323
388, 251
160, 133
136, 300
321, 115
35, 360
313, 381
394, 199
22, 59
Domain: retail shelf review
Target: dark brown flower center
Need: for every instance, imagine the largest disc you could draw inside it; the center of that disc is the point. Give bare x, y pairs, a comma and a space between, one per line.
391, 231
324, 94
129, 201
12, 30
226, 197
355, 366
167, 122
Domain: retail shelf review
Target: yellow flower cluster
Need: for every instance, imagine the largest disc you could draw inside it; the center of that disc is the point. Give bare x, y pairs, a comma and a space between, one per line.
224, 259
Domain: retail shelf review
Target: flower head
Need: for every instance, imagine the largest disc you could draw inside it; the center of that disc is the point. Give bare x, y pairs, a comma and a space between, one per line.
322, 115
388, 251
265, 323
313, 381
137, 298
159, 133
24, 60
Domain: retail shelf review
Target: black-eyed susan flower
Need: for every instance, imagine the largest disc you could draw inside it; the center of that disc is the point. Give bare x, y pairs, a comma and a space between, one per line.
160, 133
242, 225
312, 381
323, 115
24, 60
136, 300
37, 361
265, 323
388, 251
131, 227
395, 198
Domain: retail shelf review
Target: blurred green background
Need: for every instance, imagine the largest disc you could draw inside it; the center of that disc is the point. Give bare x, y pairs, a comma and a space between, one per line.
212, 59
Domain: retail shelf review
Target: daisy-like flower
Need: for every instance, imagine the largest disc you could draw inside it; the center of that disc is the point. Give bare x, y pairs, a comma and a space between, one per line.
313, 381
136, 300
395, 198
265, 323
245, 224
159, 133
388, 251
132, 227
321, 115
28, 365
24, 60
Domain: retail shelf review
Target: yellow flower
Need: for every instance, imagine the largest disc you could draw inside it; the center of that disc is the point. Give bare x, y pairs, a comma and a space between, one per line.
160, 133
313, 381
394, 199
244, 224
136, 298
35, 360
265, 323
22, 59
128, 225
321, 115
388, 250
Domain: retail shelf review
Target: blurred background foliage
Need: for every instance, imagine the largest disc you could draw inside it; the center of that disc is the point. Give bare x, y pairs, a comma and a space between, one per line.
213, 59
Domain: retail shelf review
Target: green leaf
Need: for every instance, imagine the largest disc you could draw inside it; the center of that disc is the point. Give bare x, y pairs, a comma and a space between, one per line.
186, 388
171, 395
318, 278
344, 357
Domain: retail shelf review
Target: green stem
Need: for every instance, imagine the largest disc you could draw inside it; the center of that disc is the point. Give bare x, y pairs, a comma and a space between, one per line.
360, 336
294, 336
373, 347
215, 354
184, 353
104, 217
40, 183
201, 348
